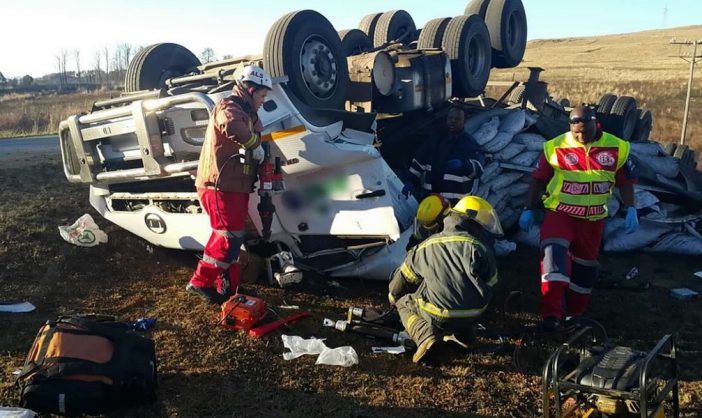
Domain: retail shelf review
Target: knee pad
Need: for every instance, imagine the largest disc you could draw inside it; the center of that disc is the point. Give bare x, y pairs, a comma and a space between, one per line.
555, 261
584, 273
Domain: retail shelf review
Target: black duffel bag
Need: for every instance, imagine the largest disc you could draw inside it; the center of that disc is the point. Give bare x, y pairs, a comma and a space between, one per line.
87, 365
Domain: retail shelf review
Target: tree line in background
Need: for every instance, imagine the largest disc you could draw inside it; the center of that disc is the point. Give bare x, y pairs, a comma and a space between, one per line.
104, 68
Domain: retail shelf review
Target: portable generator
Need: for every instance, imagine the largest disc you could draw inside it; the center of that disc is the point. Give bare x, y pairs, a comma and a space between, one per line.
242, 312
586, 379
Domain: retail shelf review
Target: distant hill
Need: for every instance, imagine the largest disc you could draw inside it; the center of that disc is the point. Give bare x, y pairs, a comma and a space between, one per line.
635, 56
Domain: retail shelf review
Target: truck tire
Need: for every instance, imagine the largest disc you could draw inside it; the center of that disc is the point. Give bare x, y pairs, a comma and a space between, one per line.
467, 44
395, 25
432, 33
644, 123
304, 46
507, 24
603, 108
152, 66
622, 117
368, 24
477, 7
354, 42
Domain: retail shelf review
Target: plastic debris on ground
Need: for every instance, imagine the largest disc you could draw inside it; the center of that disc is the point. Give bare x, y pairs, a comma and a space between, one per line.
9, 412
389, 350
699, 274
341, 356
21, 307
291, 307
84, 232
683, 293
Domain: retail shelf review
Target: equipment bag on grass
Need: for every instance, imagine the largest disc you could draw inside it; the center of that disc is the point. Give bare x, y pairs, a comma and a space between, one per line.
87, 365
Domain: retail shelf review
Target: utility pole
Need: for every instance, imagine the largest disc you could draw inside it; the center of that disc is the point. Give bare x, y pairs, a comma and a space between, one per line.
693, 59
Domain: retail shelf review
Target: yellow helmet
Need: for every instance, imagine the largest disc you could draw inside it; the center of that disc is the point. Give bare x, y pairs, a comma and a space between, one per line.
480, 211
432, 209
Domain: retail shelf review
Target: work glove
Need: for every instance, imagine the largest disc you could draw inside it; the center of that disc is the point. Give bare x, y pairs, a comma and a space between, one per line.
526, 219
631, 222
258, 154
407, 191
455, 165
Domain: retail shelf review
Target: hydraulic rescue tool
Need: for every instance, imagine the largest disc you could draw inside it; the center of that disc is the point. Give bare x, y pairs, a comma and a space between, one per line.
270, 177
248, 313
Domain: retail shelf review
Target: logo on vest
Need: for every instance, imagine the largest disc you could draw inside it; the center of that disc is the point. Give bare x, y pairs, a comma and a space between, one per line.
606, 159
571, 158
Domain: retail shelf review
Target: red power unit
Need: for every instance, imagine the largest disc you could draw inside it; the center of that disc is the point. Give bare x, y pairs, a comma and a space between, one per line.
242, 312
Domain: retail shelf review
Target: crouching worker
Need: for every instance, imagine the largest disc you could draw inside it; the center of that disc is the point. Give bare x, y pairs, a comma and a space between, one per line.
445, 283
430, 218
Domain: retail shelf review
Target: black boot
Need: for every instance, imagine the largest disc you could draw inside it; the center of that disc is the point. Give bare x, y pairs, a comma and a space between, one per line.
210, 294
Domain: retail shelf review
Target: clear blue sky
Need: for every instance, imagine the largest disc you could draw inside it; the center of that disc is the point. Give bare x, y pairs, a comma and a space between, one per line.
32, 32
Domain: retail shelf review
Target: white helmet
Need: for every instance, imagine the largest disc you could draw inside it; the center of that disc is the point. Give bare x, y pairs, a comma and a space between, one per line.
256, 75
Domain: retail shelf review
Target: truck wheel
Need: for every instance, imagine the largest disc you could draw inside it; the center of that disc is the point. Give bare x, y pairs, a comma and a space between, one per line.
153, 65
432, 33
466, 42
622, 117
603, 108
395, 25
477, 7
507, 24
368, 24
644, 123
354, 42
304, 46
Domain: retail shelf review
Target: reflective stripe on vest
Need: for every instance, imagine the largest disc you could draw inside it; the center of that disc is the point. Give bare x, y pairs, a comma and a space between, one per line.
583, 177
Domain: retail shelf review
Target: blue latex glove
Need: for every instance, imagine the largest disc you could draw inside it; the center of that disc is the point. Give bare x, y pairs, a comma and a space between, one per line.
143, 324
631, 222
454, 165
526, 219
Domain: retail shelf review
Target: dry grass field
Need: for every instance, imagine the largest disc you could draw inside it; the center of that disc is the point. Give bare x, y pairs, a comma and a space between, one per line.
643, 65
40, 114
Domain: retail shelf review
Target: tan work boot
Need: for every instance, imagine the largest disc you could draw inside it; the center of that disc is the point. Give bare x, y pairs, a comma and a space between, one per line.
423, 348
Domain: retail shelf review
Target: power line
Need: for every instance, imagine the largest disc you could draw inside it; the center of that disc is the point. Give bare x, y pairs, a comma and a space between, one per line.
692, 59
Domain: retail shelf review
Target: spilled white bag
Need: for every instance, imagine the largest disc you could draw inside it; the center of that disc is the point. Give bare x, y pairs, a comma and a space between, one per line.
84, 232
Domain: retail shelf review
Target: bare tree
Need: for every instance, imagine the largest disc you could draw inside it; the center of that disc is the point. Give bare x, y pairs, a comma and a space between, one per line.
124, 51
207, 55
106, 54
61, 58
76, 59
97, 67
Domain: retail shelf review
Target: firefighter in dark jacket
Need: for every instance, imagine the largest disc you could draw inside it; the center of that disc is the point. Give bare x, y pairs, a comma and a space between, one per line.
449, 166
445, 283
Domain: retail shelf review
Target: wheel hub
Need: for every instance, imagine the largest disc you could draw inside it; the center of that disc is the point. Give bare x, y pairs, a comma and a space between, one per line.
318, 67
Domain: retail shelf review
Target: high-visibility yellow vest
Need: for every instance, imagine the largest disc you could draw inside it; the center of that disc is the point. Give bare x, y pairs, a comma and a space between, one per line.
583, 175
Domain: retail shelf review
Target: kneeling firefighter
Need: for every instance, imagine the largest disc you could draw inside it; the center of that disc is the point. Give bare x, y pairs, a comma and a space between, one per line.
430, 218
226, 174
445, 283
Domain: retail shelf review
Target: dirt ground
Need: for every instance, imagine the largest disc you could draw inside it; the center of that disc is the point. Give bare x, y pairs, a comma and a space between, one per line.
210, 372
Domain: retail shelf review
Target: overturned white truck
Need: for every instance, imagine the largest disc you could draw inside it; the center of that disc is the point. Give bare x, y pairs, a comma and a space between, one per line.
345, 111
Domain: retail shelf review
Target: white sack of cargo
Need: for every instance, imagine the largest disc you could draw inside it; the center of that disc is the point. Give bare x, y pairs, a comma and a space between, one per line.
613, 206
509, 152
518, 189
617, 239
478, 120
487, 131
503, 247
505, 179
498, 142
512, 122
678, 243
533, 142
490, 172
526, 159
483, 190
